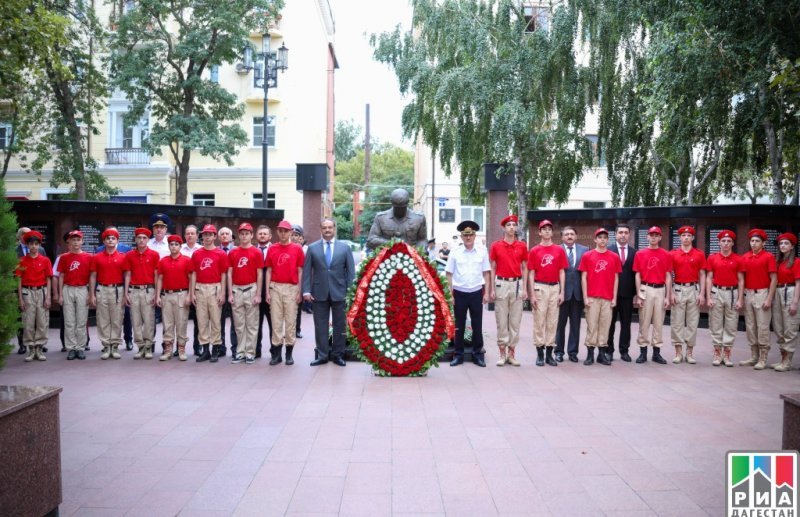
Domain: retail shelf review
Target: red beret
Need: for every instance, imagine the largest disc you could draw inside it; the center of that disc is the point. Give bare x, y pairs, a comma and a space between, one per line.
654, 229
111, 231
599, 231
508, 219
544, 223
726, 233
33, 234
175, 238
685, 229
142, 231
757, 232
787, 237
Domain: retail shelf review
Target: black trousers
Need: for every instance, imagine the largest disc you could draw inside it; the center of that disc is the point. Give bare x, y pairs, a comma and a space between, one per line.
471, 303
299, 317
570, 311
227, 312
323, 310
624, 313
263, 313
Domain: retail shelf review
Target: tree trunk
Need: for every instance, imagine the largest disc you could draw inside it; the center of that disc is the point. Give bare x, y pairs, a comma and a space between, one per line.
182, 190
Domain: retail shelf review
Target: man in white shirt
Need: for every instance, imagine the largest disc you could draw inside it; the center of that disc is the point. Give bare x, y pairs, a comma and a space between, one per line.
158, 243
469, 272
189, 246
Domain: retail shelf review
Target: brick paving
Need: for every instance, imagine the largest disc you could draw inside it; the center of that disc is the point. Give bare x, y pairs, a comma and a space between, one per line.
149, 438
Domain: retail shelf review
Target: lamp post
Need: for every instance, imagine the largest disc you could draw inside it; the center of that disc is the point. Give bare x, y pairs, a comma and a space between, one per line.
273, 61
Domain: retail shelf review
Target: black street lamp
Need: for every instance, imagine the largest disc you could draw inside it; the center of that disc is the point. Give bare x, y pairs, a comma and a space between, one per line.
272, 62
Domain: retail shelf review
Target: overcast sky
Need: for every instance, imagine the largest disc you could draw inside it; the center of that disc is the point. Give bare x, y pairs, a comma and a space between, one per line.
360, 80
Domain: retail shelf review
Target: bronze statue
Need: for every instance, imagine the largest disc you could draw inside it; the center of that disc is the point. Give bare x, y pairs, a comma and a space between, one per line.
398, 223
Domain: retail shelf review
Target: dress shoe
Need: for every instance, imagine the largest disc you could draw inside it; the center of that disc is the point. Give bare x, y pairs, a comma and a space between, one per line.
603, 358
81, 356
457, 360
44, 349
63, 348
298, 335
560, 357
338, 361
625, 357
317, 362
478, 361
129, 345
573, 358
22, 349
71, 355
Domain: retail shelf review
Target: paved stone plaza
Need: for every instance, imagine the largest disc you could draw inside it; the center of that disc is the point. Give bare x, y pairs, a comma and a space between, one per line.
148, 438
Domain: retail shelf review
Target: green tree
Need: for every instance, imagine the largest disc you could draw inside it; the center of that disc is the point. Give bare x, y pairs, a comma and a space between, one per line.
349, 139
489, 84
9, 311
161, 55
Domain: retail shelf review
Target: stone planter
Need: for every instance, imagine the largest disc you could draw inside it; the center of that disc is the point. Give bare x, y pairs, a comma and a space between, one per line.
791, 421
30, 451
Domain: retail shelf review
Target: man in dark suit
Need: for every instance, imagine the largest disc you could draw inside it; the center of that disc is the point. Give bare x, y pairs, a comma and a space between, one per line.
627, 290
328, 272
572, 308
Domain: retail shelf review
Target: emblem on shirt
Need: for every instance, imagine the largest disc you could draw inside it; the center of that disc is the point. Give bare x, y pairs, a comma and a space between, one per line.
242, 262
547, 260
652, 263
601, 265
75, 265
283, 259
206, 263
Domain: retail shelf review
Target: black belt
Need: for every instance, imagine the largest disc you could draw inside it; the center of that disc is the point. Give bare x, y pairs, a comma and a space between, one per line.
758, 290
687, 284
726, 288
111, 285
785, 285
35, 288
142, 286
509, 279
545, 283
243, 289
648, 284
172, 291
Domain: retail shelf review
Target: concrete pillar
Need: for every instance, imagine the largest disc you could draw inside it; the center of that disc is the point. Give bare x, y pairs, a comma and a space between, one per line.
312, 214
496, 210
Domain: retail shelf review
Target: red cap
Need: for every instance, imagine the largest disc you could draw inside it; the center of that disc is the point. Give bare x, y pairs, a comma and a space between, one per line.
73, 233
654, 229
245, 227
142, 231
685, 229
726, 233
544, 223
757, 232
110, 231
787, 237
286, 225
508, 219
599, 231
175, 238
33, 234
209, 228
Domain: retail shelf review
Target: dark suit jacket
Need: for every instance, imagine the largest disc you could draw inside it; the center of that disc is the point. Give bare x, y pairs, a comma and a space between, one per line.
572, 277
323, 282
627, 279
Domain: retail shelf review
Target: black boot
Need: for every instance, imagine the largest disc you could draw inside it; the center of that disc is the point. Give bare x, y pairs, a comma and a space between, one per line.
549, 357
589, 356
215, 353
196, 348
203, 354
539, 356
289, 360
657, 356
642, 355
602, 357
275, 352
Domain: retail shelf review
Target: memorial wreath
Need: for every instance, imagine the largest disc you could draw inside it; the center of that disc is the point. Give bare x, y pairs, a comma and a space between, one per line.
400, 314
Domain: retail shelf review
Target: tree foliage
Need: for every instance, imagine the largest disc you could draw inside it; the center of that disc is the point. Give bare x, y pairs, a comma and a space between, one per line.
162, 53
349, 139
9, 311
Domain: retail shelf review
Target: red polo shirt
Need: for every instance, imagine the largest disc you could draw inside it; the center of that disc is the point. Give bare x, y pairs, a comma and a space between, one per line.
109, 267
284, 261
547, 261
34, 272
244, 264
175, 272
209, 265
508, 258
601, 269
757, 269
787, 275
687, 266
652, 265
75, 268
142, 266
725, 269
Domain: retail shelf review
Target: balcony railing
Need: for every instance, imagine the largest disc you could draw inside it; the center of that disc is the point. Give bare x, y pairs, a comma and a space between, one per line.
127, 156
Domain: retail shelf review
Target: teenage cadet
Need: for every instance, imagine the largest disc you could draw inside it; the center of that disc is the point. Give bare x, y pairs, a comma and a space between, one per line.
244, 292
263, 242
653, 268
725, 297
508, 288
211, 270
546, 264
34, 275
174, 290
760, 279
73, 294
140, 292
107, 294
469, 275
600, 271
688, 294
226, 244
785, 319
284, 276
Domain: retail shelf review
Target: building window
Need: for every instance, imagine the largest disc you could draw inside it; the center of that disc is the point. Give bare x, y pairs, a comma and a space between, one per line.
594, 204
257, 200
258, 131
127, 137
473, 213
215, 74
5, 135
447, 215
598, 156
203, 199
537, 18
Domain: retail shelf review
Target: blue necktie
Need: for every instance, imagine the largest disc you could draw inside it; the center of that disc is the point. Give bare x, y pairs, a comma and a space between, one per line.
571, 258
328, 254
